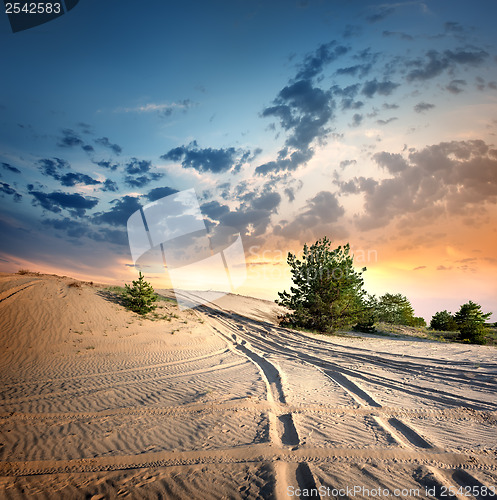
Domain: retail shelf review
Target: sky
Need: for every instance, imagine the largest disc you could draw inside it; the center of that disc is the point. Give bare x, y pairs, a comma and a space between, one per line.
372, 124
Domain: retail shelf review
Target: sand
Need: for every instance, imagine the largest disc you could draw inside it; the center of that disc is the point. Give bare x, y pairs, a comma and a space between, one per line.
220, 402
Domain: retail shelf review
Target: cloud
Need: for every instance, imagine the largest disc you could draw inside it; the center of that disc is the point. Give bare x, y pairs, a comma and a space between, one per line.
55, 202
394, 163
351, 31
346, 163
119, 214
139, 173
207, 159
357, 120
285, 162
421, 107
399, 34
435, 63
303, 111
160, 192
73, 178
79, 229
381, 12
163, 109
443, 179
316, 219
386, 122
373, 87
10, 168
455, 86
109, 185
314, 63
107, 164
52, 168
70, 139
453, 27
357, 185
104, 141
8, 189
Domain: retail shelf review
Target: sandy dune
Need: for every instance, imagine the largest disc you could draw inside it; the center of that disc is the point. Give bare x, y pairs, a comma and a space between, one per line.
220, 402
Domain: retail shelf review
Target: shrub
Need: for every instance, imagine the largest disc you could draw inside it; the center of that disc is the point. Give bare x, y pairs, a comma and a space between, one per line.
470, 322
327, 292
140, 296
443, 321
396, 309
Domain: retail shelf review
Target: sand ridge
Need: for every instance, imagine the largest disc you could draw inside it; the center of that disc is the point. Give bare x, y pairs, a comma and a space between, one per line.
221, 402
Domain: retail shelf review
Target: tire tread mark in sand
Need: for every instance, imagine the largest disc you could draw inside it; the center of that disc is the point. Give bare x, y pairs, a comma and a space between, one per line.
6, 295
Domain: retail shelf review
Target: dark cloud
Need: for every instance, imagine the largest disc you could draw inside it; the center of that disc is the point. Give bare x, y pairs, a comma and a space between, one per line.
421, 107
351, 31
455, 86
359, 70
386, 122
285, 162
214, 210
290, 193
70, 139
314, 63
135, 166
79, 229
357, 185
109, 185
394, 163
75, 203
85, 128
317, 218
453, 27
357, 120
142, 180
351, 104
73, 178
346, 163
10, 168
399, 34
52, 167
435, 63
373, 87
119, 214
104, 141
88, 148
381, 12
390, 106
159, 192
446, 179
139, 173
303, 111
8, 189
107, 164
207, 159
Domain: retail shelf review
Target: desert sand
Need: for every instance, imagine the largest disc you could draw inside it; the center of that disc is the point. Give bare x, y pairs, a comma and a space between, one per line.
221, 402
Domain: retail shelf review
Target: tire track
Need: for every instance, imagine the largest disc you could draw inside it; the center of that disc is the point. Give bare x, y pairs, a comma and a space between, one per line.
405, 435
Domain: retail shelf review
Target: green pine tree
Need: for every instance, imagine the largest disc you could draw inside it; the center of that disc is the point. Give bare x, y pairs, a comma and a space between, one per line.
327, 292
471, 323
140, 297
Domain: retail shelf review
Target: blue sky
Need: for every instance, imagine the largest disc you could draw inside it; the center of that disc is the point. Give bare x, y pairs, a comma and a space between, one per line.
372, 123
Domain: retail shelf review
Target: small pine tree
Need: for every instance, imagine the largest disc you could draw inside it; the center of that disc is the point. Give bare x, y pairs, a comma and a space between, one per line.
443, 321
396, 309
471, 323
327, 292
140, 297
